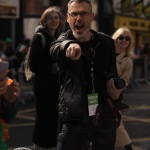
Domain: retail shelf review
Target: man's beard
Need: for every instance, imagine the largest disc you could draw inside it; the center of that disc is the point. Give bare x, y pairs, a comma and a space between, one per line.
78, 36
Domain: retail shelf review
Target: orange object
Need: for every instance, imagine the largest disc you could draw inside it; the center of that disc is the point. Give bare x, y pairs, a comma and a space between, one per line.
9, 81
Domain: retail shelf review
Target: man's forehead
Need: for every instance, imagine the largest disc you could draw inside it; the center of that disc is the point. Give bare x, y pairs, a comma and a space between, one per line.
78, 7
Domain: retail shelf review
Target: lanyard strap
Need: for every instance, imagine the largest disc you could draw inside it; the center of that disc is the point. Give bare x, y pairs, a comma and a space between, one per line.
91, 69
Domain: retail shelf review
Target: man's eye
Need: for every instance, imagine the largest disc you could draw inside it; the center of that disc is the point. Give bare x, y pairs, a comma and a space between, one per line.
83, 14
74, 14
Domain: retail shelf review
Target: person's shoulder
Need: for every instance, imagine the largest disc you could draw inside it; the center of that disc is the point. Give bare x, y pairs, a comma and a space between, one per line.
68, 32
106, 39
37, 35
65, 35
106, 36
102, 35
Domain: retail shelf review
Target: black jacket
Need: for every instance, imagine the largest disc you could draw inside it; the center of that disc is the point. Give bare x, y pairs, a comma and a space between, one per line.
73, 91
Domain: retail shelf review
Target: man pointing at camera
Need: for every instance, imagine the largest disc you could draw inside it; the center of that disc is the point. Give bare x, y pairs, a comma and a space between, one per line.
84, 59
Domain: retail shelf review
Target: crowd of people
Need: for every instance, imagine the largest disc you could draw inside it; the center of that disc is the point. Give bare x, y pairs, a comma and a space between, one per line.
72, 69
15, 57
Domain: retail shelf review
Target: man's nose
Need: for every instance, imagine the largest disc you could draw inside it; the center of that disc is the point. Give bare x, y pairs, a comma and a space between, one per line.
79, 16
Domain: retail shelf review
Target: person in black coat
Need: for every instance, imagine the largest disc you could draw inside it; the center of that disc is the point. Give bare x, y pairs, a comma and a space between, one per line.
46, 82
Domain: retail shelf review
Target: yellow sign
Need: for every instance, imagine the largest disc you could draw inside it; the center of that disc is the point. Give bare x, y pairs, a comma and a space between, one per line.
132, 23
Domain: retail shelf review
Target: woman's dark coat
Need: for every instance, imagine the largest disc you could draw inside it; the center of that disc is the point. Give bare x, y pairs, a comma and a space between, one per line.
46, 87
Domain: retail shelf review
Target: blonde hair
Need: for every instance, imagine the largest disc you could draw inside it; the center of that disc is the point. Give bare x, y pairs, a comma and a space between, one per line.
118, 33
43, 19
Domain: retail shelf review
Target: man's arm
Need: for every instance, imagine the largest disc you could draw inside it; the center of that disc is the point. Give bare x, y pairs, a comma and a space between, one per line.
64, 49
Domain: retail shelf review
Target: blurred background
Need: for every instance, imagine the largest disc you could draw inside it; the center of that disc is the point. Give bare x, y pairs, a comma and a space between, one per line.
18, 19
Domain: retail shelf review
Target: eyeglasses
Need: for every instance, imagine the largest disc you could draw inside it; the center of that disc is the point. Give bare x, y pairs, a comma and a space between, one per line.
83, 14
121, 37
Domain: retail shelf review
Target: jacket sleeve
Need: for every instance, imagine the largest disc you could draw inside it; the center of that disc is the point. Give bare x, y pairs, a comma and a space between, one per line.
58, 49
127, 70
109, 53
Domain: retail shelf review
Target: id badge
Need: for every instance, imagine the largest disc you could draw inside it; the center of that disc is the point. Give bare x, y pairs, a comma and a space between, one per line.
92, 103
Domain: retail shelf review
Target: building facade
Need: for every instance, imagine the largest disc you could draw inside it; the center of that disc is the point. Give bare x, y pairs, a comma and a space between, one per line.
109, 15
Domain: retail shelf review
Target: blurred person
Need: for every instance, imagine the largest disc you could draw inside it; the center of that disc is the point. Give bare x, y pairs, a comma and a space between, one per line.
84, 58
46, 82
21, 52
9, 93
146, 49
147, 58
9, 49
10, 57
139, 61
23, 46
123, 44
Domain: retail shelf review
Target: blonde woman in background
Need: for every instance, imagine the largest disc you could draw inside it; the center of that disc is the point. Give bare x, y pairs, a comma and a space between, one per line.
124, 45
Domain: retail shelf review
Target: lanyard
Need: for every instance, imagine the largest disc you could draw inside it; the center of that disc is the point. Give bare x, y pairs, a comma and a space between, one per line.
92, 49
91, 69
